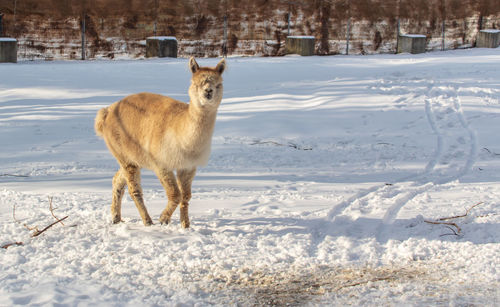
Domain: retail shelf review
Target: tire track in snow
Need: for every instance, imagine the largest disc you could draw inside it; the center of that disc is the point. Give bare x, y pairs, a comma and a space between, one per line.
440, 119
447, 120
455, 154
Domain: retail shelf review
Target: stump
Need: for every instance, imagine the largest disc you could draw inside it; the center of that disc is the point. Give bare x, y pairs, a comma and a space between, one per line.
161, 46
489, 38
411, 43
8, 50
303, 45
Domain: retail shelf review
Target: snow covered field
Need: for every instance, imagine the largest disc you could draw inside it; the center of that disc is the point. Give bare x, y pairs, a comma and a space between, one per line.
326, 183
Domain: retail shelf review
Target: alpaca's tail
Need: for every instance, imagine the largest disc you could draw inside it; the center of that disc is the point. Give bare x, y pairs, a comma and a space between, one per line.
99, 121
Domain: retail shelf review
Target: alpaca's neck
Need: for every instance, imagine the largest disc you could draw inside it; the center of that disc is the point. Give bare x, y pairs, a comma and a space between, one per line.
201, 123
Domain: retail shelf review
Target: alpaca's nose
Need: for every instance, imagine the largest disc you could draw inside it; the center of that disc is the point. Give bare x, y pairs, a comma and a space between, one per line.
208, 93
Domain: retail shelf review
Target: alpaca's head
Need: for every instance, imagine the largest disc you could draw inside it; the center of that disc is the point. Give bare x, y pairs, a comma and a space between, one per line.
206, 84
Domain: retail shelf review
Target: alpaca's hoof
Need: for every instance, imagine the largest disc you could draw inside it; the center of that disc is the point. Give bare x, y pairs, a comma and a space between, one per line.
148, 222
116, 220
185, 224
164, 219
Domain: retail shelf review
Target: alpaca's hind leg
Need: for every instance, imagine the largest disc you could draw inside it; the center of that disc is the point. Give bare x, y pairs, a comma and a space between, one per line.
119, 183
168, 181
132, 174
184, 180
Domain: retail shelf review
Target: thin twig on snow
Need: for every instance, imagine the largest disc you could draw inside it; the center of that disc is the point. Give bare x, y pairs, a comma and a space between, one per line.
5, 246
39, 232
36, 231
52, 210
491, 152
441, 221
19, 222
459, 216
13, 175
290, 144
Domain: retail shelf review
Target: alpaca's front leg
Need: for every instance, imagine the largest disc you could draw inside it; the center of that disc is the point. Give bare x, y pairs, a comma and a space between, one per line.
184, 181
167, 179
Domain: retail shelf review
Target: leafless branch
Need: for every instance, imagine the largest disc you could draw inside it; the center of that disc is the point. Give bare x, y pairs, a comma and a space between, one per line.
290, 144
35, 231
487, 215
5, 246
459, 216
52, 210
14, 214
19, 222
449, 225
454, 233
39, 232
445, 223
13, 175
491, 152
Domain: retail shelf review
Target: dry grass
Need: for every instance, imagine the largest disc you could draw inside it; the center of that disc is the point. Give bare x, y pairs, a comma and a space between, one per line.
295, 287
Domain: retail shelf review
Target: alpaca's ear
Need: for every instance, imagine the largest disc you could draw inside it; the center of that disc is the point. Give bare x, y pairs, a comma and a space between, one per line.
221, 66
193, 65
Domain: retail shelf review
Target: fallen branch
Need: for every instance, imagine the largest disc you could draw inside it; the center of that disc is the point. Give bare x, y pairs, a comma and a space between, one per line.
459, 216
52, 210
19, 222
454, 233
458, 231
491, 152
487, 215
36, 231
13, 175
446, 223
39, 232
290, 144
12, 244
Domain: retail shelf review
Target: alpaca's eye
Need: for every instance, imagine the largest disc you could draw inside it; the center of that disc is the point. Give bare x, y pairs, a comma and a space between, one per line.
219, 86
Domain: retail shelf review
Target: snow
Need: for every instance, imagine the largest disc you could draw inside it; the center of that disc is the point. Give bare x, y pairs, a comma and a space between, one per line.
324, 175
7, 39
163, 38
490, 31
300, 37
414, 35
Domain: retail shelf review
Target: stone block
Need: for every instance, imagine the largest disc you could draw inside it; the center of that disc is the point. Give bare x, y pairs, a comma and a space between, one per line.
411, 43
161, 46
489, 38
303, 45
8, 50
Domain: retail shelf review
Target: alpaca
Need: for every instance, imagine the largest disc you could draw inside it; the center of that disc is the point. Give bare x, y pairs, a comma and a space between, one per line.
164, 135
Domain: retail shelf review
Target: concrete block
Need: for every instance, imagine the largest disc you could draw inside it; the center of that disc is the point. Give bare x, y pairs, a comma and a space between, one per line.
488, 38
161, 46
8, 50
303, 45
411, 43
